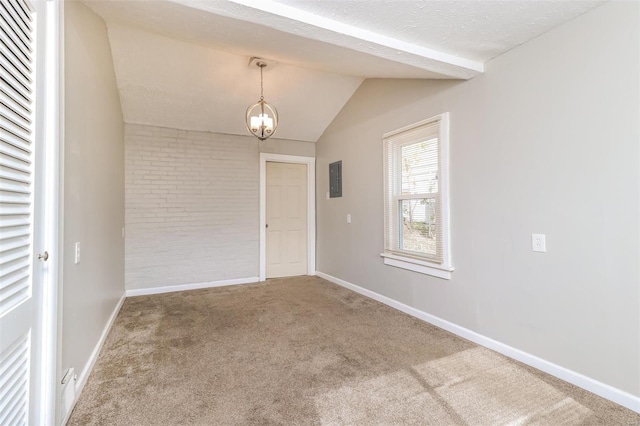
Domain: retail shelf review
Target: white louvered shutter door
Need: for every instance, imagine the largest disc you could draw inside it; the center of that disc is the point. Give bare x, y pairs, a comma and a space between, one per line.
18, 308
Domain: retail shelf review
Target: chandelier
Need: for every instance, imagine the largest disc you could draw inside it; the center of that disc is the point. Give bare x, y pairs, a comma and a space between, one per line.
262, 117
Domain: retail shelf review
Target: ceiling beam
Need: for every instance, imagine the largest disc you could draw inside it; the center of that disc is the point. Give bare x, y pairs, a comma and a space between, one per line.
294, 21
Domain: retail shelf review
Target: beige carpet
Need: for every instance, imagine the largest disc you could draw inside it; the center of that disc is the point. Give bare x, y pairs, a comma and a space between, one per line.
302, 351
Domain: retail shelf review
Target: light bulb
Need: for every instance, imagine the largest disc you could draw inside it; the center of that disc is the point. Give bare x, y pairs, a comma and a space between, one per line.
255, 123
268, 123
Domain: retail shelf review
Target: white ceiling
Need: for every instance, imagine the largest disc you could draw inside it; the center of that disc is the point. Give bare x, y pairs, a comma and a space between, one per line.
172, 83
478, 30
183, 63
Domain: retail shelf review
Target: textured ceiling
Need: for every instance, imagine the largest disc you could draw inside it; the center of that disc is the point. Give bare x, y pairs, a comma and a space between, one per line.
474, 29
172, 83
183, 63
245, 38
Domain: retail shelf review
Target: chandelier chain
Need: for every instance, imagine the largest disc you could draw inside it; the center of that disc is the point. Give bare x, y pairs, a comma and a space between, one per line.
261, 85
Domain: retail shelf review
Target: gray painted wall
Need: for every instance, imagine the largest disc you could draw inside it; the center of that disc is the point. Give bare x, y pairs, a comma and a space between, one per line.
546, 141
93, 186
192, 205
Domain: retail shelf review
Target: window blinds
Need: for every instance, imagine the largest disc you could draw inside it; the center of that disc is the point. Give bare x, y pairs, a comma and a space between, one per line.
413, 204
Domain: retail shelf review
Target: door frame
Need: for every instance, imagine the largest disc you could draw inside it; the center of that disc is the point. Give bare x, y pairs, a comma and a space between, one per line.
311, 207
51, 309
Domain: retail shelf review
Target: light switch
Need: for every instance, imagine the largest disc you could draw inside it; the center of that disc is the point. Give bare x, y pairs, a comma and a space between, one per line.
348, 218
538, 243
327, 195
77, 253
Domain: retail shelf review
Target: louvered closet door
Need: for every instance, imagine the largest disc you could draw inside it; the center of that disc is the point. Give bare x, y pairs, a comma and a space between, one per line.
20, 271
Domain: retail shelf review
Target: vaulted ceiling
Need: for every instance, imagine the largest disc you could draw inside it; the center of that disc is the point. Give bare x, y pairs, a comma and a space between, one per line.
184, 63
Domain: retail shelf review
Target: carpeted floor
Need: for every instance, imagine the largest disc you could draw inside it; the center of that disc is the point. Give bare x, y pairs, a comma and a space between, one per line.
303, 351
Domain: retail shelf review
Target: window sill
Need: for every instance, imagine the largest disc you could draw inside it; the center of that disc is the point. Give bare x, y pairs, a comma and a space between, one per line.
416, 265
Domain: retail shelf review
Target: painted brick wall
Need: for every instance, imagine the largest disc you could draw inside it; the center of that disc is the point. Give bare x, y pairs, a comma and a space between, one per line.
192, 205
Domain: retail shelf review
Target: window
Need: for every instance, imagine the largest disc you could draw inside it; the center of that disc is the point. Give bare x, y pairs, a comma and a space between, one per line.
416, 188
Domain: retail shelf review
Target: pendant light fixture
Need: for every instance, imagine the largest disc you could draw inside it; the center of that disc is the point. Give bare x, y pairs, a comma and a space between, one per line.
262, 117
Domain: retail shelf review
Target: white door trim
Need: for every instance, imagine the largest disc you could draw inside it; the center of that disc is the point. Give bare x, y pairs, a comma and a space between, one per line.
53, 107
311, 207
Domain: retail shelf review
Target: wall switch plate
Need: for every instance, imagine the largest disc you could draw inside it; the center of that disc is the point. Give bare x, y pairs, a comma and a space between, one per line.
77, 253
328, 195
538, 243
348, 218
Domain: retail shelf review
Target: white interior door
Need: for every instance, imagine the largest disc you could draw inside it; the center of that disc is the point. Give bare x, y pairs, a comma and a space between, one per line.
21, 156
286, 219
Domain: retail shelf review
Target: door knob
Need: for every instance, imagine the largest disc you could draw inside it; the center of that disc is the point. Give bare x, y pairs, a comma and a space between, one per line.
267, 225
44, 256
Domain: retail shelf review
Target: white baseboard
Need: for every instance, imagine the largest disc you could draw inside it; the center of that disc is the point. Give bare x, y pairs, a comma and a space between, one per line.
84, 375
182, 287
601, 389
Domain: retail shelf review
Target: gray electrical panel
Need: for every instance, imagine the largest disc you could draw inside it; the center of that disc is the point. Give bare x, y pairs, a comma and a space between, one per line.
335, 179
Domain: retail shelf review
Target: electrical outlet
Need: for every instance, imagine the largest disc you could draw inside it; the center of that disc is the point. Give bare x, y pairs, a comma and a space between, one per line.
348, 218
69, 390
538, 243
77, 253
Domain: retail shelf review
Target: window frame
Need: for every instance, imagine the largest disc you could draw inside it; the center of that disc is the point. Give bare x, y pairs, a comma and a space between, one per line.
407, 259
